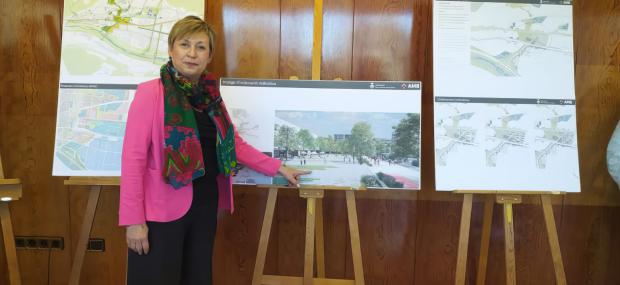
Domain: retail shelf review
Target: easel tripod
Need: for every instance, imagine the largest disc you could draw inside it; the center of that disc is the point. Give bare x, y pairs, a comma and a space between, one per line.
313, 218
506, 199
10, 190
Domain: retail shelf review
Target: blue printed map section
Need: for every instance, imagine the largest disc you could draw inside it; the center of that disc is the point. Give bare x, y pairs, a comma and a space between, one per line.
90, 130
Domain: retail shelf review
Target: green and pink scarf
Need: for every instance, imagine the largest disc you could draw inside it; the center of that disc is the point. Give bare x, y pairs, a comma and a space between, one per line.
183, 161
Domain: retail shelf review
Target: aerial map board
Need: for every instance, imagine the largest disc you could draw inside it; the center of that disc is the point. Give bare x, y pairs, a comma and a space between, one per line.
108, 47
505, 116
357, 134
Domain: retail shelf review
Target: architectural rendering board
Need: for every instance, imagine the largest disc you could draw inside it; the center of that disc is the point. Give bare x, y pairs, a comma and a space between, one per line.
348, 133
505, 116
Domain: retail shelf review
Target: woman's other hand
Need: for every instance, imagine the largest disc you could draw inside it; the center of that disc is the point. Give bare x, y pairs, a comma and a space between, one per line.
292, 174
137, 238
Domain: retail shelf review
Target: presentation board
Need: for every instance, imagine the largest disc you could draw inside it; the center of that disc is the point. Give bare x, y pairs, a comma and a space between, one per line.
108, 47
357, 134
504, 95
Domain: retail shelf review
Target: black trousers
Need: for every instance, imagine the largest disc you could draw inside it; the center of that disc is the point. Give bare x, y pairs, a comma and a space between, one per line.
181, 251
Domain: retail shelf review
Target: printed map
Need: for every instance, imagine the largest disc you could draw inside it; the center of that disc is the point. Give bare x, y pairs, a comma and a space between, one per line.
505, 36
108, 47
453, 134
118, 41
90, 129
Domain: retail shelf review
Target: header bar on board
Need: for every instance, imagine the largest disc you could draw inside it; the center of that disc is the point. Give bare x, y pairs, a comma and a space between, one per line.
324, 84
98, 86
539, 2
528, 101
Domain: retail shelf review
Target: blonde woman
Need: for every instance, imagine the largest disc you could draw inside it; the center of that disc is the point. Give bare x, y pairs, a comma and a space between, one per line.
179, 153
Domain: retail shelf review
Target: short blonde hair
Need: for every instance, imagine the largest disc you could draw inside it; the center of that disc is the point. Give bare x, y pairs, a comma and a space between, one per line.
191, 25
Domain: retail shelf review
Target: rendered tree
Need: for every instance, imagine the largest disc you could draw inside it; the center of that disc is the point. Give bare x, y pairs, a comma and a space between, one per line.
306, 139
286, 138
326, 144
382, 147
361, 142
406, 138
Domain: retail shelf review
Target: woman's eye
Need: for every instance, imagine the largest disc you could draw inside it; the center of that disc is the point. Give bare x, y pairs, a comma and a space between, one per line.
202, 47
184, 44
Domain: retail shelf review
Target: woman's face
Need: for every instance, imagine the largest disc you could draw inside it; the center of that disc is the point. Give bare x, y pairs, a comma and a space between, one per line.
190, 55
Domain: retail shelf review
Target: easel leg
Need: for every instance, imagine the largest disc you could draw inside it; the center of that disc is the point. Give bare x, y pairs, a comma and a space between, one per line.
9, 244
259, 266
320, 244
485, 239
356, 249
554, 244
87, 224
509, 236
461, 260
309, 251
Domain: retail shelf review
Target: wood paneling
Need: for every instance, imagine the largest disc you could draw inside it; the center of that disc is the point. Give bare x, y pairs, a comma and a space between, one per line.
388, 230
436, 246
237, 239
588, 237
337, 39
106, 267
251, 37
29, 52
406, 238
296, 18
597, 83
382, 32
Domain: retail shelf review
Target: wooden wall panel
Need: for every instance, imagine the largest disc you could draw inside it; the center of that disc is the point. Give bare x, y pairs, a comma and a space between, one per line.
597, 80
106, 267
290, 216
388, 231
30, 63
214, 16
337, 39
532, 252
588, 237
237, 239
422, 65
412, 241
296, 38
382, 40
338, 261
251, 32
437, 242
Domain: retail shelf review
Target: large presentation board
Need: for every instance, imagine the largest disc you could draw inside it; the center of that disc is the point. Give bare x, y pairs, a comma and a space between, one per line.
357, 134
108, 47
505, 115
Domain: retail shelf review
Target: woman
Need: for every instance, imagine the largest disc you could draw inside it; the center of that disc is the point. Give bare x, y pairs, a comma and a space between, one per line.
179, 153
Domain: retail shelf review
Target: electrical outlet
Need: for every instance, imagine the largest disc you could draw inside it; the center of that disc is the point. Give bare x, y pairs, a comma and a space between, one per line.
96, 244
37, 242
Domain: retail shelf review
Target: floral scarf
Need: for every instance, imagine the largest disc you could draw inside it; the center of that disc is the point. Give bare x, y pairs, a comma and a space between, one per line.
183, 161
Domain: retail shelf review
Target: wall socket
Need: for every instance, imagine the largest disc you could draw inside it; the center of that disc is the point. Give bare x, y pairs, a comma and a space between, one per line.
96, 244
39, 242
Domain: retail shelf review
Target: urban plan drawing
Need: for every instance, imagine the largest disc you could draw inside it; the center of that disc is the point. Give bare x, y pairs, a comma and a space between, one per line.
108, 47
504, 92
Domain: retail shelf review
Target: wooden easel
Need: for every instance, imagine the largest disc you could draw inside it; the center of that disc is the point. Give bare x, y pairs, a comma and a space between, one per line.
95, 183
313, 217
314, 209
10, 190
507, 199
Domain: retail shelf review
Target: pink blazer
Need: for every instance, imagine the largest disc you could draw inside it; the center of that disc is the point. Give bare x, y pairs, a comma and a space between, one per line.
144, 195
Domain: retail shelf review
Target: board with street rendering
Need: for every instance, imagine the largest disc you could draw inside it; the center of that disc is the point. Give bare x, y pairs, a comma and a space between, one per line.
504, 95
356, 134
